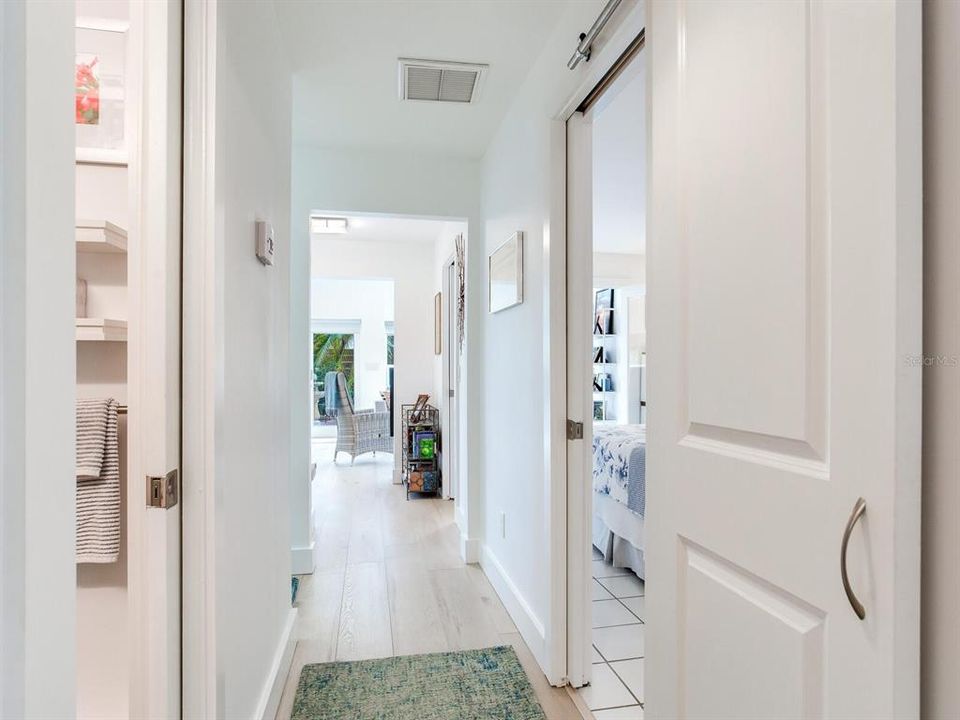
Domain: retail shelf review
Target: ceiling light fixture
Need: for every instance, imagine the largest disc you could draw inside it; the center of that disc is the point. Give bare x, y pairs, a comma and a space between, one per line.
328, 225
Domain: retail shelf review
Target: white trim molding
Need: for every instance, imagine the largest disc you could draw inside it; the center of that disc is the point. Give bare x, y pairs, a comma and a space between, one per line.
342, 327
566, 555
203, 329
301, 559
470, 549
283, 658
530, 626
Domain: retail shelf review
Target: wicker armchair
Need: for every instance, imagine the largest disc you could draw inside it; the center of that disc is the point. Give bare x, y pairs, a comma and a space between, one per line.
360, 431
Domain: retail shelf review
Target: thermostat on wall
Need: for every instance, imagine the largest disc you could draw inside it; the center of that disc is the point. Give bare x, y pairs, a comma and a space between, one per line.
265, 242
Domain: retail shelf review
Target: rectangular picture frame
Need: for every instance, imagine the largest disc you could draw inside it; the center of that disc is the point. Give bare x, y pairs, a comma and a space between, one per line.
102, 115
603, 312
438, 324
505, 274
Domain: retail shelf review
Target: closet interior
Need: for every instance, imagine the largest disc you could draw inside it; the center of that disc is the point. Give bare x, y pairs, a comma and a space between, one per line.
103, 113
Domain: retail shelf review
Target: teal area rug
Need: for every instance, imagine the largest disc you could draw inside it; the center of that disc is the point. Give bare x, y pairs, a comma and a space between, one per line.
486, 684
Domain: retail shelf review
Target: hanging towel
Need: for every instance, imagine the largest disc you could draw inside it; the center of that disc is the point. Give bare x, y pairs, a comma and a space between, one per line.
98, 482
91, 437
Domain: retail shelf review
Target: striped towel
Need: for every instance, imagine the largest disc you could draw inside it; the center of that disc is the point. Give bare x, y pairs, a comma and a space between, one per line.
98, 482
91, 437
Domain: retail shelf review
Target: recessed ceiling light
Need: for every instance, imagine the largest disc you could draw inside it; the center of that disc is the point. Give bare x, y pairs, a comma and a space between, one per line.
328, 225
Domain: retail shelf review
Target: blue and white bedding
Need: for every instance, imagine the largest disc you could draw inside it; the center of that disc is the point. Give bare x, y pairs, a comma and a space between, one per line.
619, 464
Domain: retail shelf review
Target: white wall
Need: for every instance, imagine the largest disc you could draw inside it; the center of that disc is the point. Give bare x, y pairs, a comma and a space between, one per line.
520, 173
940, 588
393, 183
370, 302
410, 268
619, 269
619, 141
252, 553
620, 165
37, 486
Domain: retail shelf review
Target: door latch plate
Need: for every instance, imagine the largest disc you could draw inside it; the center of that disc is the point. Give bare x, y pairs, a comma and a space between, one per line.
574, 430
163, 492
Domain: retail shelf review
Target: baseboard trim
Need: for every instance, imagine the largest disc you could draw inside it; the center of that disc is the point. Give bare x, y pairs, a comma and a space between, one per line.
282, 659
523, 616
579, 703
470, 549
301, 560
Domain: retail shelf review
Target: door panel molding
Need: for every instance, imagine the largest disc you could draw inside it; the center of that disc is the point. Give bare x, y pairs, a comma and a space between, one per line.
752, 199
785, 677
783, 300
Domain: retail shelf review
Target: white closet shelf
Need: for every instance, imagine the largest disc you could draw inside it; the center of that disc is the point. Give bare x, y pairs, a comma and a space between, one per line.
100, 236
101, 329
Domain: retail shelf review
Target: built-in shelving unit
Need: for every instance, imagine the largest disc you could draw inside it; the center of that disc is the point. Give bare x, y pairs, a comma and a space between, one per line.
101, 329
604, 401
100, 236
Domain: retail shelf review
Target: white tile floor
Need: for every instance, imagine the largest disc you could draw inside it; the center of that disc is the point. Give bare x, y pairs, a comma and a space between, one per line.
616, 690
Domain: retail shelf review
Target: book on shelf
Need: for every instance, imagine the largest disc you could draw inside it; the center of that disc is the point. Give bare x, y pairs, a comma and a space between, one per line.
599, 410
427, 448
603, 382
424, 445
603, 323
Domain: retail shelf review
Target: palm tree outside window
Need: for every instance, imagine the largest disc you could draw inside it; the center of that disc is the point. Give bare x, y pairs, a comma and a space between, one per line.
332, 352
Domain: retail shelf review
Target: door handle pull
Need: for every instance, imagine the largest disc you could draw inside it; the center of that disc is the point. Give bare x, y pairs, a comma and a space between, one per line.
858, 510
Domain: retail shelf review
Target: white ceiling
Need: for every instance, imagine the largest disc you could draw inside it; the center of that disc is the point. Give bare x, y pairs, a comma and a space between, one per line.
388, 229
344, 52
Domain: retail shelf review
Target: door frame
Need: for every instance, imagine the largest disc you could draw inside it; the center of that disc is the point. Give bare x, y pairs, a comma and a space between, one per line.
153, 429
580, 283
568, 557
579, 290
450, 362
202, 337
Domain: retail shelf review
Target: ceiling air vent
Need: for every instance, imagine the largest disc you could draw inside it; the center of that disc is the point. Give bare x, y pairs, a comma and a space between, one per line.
438, 81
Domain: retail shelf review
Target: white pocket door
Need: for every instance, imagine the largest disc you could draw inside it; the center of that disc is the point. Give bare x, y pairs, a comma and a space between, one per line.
784, 324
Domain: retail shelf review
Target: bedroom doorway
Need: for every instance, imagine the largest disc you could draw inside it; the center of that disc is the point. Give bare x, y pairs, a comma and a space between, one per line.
606, 382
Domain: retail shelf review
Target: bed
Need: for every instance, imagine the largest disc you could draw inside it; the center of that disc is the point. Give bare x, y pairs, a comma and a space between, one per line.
619, 494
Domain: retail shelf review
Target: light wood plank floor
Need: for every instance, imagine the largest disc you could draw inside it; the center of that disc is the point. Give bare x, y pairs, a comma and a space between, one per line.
389, 581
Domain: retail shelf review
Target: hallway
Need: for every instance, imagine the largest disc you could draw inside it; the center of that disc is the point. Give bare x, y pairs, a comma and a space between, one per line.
389, 580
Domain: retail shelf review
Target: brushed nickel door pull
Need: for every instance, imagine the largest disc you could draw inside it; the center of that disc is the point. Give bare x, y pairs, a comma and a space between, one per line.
858, 510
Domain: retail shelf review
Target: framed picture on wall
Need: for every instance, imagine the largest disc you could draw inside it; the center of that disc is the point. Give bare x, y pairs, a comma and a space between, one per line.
437, 324
603, 312
505, 274
100, 91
